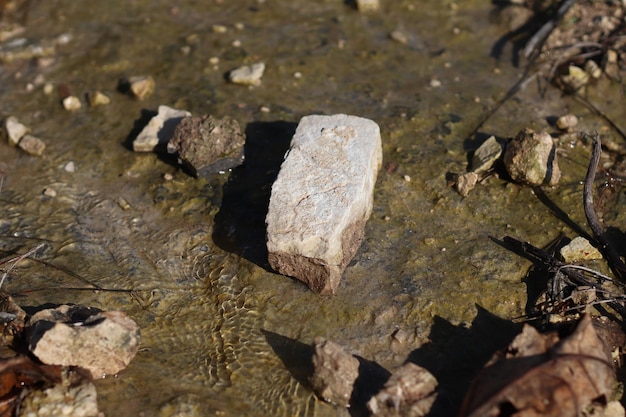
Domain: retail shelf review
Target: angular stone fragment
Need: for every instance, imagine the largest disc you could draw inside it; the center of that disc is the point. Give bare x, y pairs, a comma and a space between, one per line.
579, 249
530, 158
14, 130
409, 392
141, 86
322, 197
486, 155
97, 98
102, 343
334, 372
208, 145
248, 74
32, 145
159, 130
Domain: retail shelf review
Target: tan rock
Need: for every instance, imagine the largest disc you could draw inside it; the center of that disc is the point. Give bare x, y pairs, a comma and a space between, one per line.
322, 197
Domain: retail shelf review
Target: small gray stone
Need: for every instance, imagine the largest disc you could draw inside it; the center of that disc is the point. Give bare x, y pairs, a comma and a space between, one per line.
159, 130
208, 145
530, 158
486, 155
334, 372
14, 130
410, 391
322, 197
32, 145
102, 343
248, 74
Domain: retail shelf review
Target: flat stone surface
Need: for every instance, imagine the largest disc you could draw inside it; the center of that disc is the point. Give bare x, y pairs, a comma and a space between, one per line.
322, 197
159, 130
102, 343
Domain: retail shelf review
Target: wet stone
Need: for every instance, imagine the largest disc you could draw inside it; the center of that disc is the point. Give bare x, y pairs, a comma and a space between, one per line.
159, 130
248, 74
322, 197
466, 182
367, 6
530, 158
97, 98
410, 391
14, 130
102, 343
207, 145
567, 122
66, 399
486, 155
334, 372
71, 103
579, 249
32, 145
139, 86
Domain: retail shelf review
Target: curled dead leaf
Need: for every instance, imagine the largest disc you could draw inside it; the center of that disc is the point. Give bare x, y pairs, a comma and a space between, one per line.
542, 375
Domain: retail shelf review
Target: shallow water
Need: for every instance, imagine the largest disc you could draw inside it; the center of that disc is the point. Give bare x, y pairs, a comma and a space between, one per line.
222, 335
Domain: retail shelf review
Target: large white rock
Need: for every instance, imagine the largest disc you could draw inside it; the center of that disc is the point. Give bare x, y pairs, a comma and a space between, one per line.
322, 197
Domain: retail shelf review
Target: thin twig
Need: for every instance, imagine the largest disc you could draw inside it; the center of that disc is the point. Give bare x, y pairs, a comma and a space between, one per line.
617, 266
534, 44
18, 259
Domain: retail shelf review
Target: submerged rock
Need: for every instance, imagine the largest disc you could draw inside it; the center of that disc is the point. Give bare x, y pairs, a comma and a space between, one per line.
159, 130
248, 74
138, 86
102, 343
579, 249
530, 158
97, 98
14, 130
410, 391
71, 103
366, 6
322, 197
334, 372
206, 145
66, 399
32, 145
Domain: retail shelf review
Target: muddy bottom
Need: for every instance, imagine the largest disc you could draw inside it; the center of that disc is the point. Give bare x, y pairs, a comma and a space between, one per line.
185, 257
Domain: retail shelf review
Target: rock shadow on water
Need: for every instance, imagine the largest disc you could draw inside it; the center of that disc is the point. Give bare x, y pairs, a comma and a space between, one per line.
298, 360
456, 354
240, 223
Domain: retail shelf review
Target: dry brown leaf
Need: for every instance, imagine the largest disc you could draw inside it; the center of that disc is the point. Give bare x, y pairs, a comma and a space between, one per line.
540, 377
19, 373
